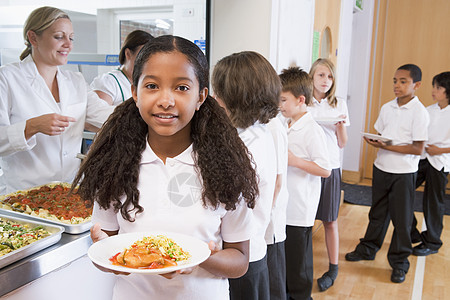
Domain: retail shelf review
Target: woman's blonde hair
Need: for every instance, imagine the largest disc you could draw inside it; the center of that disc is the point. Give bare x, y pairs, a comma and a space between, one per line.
330, 95
38, 21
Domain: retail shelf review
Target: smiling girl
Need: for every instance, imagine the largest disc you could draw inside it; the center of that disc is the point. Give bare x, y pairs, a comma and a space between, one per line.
170, 160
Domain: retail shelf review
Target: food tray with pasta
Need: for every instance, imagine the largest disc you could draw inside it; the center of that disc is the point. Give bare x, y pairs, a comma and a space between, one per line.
149, 252
20, 238
49, 203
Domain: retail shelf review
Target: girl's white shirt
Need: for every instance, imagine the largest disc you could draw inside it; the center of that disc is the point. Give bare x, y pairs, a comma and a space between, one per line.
259, 142
108, 85
323, 109
171, 197
43, 159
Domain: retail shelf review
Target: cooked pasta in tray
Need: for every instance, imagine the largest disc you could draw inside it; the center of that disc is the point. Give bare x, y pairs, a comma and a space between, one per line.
148, 252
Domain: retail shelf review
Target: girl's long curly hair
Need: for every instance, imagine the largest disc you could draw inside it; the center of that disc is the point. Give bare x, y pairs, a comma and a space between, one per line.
110, 171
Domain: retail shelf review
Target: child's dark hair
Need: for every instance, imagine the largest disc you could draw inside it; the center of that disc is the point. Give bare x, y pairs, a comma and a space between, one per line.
133, 40
298, 82
249, 87
414, 72
111, 169
443, 80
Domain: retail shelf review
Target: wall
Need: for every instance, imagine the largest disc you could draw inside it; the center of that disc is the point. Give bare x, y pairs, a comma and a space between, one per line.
358, 87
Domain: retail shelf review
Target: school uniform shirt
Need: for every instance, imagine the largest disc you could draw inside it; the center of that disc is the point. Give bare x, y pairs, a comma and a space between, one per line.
259, 142
171, 197
115, 84
322, 110
306, 140
276, 230
403, 125
439, 135
43, 158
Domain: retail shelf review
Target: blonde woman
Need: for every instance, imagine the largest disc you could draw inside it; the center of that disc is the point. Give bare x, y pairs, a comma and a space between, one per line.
43, 109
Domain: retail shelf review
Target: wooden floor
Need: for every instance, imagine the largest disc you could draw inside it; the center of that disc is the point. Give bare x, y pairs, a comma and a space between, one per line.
428, 277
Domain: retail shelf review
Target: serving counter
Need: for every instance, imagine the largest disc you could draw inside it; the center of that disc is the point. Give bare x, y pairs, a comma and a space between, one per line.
68, 249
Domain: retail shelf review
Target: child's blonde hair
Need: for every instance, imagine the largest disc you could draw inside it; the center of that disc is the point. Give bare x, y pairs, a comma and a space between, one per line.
330, 95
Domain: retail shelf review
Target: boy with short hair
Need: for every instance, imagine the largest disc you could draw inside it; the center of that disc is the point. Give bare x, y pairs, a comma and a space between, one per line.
403, 120
433, 169
307, 163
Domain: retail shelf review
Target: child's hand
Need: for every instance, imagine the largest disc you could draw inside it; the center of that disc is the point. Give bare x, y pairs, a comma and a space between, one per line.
375, 143
433, 150
97, 233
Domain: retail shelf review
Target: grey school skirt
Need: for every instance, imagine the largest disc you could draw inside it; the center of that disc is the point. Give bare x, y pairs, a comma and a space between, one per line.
330, 197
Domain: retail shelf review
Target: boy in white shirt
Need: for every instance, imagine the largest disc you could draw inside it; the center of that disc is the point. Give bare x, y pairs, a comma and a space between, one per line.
433, 169
307, 163
403, 120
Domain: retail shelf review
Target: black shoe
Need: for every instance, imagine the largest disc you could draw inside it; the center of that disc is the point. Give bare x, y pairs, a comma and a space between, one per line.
325, 282
356, 256
398, 276
422, 250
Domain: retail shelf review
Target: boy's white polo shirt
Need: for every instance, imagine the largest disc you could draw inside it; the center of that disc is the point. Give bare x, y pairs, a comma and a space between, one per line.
323, 109
259, 142
403, 125
170, 195
306, 140
276, 230
439, 135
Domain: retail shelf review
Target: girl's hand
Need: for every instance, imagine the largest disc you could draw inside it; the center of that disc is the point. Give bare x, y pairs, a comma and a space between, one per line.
50, 124
98, 234
341, 123
214, 249
433, 150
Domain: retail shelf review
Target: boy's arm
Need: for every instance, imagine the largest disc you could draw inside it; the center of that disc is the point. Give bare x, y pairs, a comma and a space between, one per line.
435, 150
416, 148
307, 166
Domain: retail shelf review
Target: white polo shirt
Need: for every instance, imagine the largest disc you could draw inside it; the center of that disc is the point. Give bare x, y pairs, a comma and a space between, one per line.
403, 125
323, 109
170, 195
276, 231
306, 140
119, 90
439, 135
259, 142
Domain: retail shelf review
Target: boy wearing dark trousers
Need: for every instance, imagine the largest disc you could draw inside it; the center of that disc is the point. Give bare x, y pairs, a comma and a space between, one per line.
433, 169
404, 121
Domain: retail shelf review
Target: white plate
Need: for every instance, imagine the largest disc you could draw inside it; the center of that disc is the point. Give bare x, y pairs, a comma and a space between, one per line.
328, 121
103, 250
372, 136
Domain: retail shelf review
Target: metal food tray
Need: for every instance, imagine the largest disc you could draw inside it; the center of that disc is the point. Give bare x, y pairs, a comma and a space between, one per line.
69, 228
56, 232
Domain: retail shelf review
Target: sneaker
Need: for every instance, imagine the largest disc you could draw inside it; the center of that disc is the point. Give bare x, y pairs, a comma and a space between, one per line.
398, 276
356, 256
422, 250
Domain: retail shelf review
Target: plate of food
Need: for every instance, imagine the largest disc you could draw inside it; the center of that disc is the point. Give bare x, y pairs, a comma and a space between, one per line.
329, 121
149, 252
376, 137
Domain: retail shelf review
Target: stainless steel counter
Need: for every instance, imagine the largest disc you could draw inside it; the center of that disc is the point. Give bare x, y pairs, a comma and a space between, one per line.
68, 249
